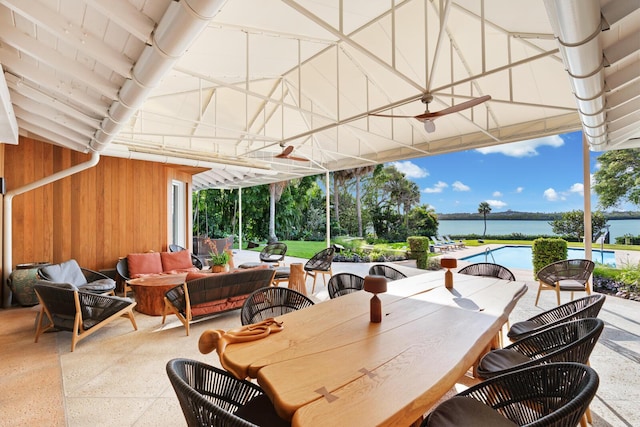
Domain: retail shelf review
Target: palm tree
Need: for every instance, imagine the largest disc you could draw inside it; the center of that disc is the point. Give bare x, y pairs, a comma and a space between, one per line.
275, 190
484, 209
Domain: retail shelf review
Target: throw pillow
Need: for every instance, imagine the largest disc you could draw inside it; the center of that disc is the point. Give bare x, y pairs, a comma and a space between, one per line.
175, 260
147, 263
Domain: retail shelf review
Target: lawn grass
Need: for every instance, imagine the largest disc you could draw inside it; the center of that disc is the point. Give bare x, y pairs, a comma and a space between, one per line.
299, 248
307, 249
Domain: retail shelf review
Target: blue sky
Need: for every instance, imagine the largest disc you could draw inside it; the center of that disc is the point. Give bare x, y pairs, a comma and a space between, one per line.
539, 175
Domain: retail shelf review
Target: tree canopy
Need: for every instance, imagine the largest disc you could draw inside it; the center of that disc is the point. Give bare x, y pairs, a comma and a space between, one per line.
618, 179
572, 224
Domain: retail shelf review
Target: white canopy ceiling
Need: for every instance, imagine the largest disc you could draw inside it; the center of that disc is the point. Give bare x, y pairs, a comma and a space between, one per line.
227, 85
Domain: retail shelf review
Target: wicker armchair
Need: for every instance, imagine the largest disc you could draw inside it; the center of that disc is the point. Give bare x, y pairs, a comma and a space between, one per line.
320, 263
80, 312
387, 271
82, 278
566, 342
210, 396
551, 395
567, 275
271, 301
194, 259
581, 308
272, 254
487, 269
344, 283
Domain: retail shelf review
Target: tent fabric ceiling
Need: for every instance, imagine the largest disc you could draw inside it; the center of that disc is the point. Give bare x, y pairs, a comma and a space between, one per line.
227, 85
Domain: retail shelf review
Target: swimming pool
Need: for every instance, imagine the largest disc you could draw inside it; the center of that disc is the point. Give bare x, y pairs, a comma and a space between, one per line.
520, 256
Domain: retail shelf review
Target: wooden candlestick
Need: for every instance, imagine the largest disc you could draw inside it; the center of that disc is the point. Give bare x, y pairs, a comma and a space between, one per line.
375, 285
448, 263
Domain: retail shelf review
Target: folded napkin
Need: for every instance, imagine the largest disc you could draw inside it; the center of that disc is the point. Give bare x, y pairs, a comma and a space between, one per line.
218, 339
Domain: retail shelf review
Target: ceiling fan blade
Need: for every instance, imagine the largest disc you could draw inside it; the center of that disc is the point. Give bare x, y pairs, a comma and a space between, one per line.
299, 159
455, 108
393, 116
285, 152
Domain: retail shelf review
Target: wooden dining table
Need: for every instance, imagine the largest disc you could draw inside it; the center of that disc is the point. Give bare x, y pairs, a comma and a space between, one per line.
331, 366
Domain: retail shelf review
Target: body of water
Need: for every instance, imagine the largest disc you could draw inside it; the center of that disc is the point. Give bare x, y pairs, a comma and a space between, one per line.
521, 256
618, 227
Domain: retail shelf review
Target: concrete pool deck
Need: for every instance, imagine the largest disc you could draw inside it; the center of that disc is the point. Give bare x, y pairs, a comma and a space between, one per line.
117, 376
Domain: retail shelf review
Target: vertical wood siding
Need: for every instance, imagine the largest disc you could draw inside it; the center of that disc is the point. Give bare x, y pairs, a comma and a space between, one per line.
95, 216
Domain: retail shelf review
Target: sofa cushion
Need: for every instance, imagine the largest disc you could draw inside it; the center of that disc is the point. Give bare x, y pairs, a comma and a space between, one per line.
66, 272
218, 306
175, 260
147, 263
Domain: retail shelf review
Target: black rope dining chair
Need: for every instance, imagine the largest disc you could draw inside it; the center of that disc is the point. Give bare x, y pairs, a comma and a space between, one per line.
271, 301
487, 269
210, 396
581, 308
566, 342
555, 394
387, 271
344, 283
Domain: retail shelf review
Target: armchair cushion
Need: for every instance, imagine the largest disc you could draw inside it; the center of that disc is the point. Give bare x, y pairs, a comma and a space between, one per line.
99, 286
175, 260
145, 263
66, 272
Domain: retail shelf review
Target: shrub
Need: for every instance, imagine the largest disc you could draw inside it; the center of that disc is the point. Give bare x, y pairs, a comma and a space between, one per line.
419, 250
546, 251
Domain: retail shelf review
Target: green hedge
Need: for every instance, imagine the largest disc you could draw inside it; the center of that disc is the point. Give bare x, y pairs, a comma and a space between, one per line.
545, 251
419, 250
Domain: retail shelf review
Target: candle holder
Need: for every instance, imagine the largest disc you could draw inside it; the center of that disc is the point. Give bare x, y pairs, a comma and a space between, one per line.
376, 285
448, 263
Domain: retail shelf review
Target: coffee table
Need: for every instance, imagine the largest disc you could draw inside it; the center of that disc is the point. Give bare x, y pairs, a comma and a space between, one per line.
149, 291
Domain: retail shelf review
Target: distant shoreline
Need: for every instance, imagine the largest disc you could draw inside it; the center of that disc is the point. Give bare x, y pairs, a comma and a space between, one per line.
528, 216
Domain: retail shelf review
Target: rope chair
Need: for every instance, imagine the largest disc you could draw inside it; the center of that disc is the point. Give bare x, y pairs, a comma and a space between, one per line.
343, 284
566, 342
271, 301
272, 254
487, 269
320, 263
387, 271
581, 308
555, 394
210, 396
81, 313
567, 275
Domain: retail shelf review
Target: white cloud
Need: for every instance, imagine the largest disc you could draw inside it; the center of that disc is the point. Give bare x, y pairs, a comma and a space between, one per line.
552, 195
458, 186
436, 188
497, 194
577, 188
498, 204
523, 148
410, 169
519, 189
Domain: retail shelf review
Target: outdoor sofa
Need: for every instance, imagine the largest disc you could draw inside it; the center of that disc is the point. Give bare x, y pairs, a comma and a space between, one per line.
205, 294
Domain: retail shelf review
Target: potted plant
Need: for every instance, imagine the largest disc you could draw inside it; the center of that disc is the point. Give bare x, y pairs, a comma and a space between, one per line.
218, 260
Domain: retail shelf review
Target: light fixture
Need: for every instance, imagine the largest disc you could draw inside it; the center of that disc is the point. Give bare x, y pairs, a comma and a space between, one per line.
429, 126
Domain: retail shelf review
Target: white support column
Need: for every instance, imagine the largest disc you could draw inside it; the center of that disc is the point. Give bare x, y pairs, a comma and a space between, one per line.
328, 207
586, 179
239, 218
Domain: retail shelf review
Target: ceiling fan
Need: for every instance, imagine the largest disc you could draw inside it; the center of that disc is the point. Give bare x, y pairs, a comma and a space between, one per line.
286, 154
428, 117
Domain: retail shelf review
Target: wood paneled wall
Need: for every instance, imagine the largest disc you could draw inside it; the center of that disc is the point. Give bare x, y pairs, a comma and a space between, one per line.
95, 216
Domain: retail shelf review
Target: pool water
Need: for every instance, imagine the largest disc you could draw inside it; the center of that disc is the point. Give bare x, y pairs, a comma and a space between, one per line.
521, 256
